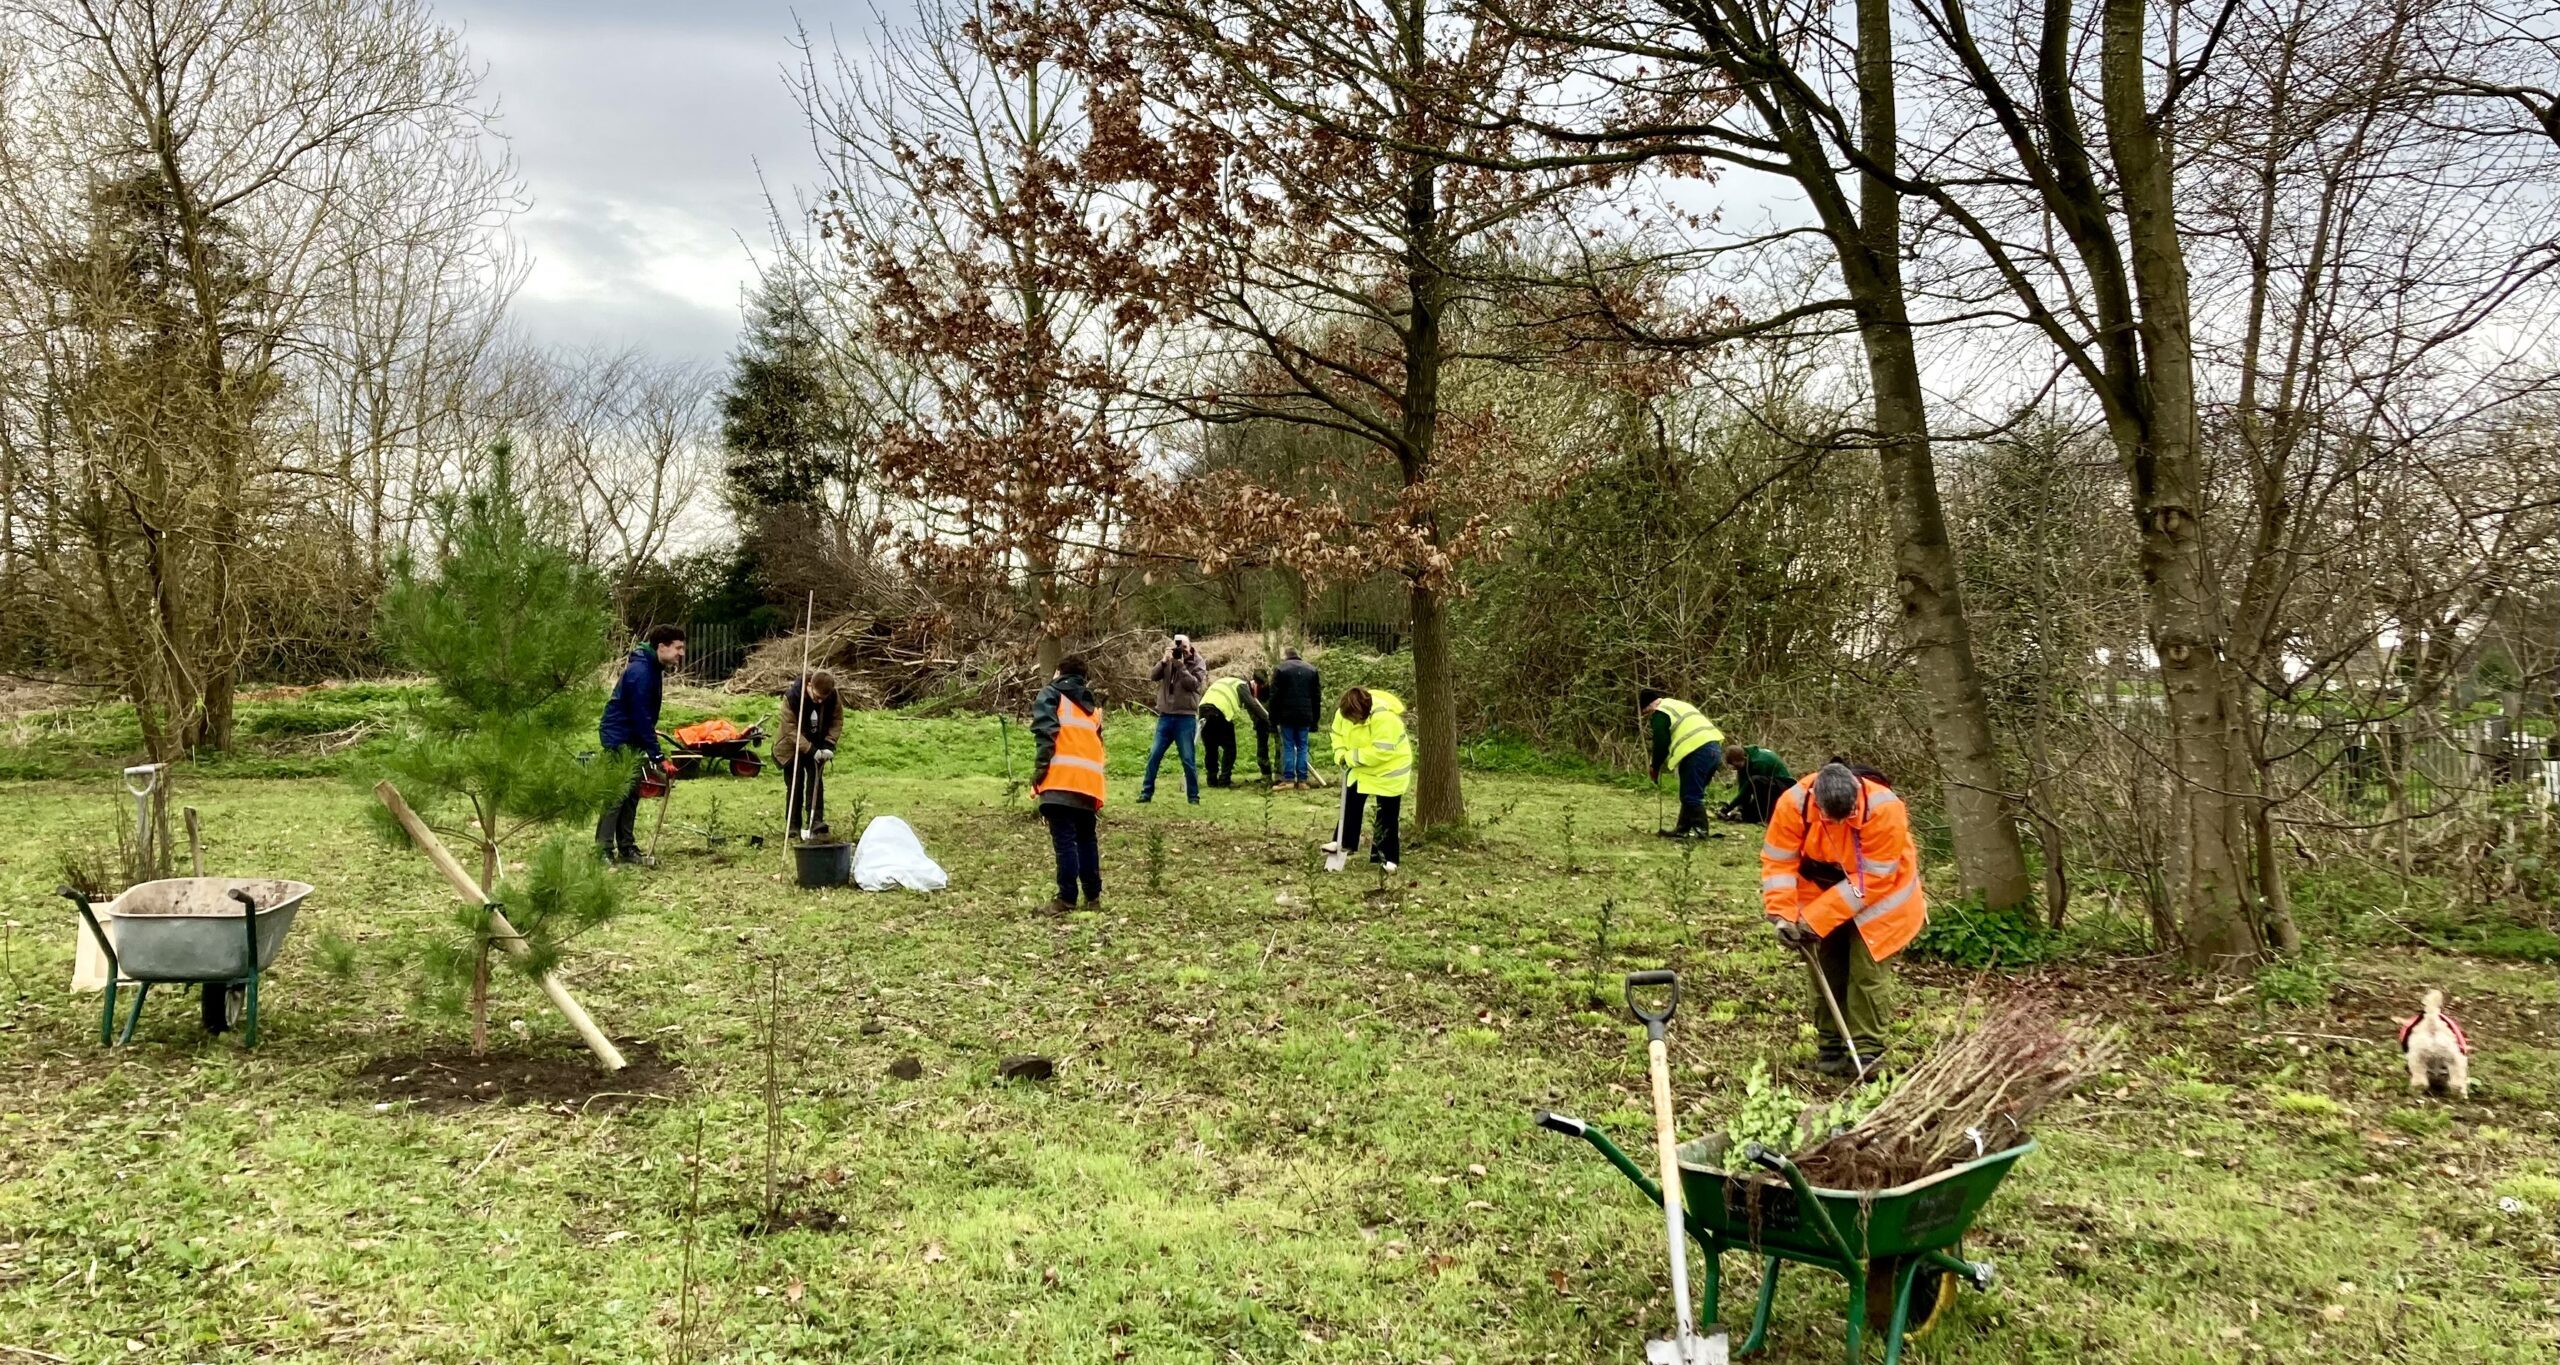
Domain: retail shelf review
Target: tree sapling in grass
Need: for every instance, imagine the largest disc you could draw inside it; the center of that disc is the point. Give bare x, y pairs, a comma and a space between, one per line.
515, 631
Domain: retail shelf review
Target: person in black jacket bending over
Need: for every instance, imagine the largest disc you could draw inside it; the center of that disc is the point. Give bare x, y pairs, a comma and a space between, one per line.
1296, 704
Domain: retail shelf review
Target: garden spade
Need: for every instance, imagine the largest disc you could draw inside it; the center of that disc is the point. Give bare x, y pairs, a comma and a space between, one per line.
1685, 1346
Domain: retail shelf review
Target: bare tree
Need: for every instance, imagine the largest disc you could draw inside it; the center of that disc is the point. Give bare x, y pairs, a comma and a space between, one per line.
182, 181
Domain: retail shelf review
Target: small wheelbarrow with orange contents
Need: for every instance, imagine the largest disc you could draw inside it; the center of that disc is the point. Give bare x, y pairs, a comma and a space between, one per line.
696, 749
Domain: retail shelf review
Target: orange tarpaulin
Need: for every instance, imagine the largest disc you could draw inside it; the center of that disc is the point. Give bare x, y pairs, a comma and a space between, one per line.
713, 731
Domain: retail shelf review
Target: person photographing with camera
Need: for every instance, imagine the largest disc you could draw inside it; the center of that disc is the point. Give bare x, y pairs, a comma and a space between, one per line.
1180, 677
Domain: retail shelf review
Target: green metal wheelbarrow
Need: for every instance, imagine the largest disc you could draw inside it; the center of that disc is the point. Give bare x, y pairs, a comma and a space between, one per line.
1896, 1248
186, 931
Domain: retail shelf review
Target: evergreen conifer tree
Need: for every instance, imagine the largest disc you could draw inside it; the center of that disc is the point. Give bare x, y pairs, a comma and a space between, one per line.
515, 631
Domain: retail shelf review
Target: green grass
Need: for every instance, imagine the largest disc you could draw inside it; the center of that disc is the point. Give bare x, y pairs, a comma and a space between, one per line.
1283, 1129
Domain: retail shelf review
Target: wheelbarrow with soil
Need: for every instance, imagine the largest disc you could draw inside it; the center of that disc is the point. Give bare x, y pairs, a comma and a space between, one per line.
219, 934
1899, 1249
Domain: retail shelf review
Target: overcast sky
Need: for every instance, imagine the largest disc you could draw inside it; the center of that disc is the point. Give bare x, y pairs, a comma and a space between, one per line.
639, 127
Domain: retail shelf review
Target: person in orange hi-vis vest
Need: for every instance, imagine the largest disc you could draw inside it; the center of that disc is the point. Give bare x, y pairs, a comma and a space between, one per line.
1840, 874
1066, 772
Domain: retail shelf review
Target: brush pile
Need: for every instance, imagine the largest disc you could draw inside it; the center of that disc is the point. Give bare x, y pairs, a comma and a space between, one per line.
1971, 1096
903, 650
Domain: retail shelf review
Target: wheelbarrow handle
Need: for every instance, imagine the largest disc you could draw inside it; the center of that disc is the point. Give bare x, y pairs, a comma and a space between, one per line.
1660, 976
96, 930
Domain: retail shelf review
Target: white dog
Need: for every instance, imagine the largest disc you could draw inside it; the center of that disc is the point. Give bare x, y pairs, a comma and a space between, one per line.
2439, 1056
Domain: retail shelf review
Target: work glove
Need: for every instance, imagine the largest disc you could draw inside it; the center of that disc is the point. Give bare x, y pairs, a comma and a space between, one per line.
824, 754
1794, 934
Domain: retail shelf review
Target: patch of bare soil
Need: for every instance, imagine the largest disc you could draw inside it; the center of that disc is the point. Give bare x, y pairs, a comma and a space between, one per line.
565, 1080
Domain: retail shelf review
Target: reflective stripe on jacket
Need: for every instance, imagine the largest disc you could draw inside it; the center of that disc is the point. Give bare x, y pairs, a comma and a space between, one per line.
1076, 763
1880, 888
1690, 729
1378, 751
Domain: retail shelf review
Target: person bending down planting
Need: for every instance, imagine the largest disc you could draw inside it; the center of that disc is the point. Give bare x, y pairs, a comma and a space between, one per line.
629, 727
1370, 740
1760, 778
1179, 678
1066, 772
1840, 881
1686, 741
804, 743
1224, 706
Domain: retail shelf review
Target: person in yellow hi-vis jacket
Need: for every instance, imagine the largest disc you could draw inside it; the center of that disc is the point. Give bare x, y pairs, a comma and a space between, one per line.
1688, 743
1370, 741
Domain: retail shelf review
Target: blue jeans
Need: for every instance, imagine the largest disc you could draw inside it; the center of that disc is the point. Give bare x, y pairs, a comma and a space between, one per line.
1696, 771
1175, 732
1293, 753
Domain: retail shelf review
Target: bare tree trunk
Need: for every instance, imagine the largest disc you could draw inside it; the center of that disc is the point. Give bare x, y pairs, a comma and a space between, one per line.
1988, 853
2158, 439
1866, 238
1438, 799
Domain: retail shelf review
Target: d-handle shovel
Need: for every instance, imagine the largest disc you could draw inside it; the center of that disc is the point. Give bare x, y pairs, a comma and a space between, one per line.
1685, 1346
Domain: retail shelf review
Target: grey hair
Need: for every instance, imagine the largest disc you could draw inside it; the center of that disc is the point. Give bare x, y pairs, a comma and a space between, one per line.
1835, 789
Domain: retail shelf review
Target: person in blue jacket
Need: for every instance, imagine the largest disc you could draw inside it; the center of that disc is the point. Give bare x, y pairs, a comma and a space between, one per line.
630, 726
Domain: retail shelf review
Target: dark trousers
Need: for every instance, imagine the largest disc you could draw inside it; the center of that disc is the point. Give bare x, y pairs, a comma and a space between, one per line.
1218, 740
805, 779
1074, 841
617, 830
1758, 799
1696, 771
1389, 847
1856, 979
1262, 750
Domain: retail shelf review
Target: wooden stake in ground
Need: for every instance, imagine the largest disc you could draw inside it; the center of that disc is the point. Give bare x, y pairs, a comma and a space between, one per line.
195, 842
799, 731
606, 1053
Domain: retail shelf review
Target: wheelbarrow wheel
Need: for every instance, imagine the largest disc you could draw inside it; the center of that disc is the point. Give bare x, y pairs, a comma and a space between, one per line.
224, 1006
1931, 1291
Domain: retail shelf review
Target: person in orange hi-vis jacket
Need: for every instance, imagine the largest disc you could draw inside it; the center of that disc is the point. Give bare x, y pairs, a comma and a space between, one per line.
1840, 874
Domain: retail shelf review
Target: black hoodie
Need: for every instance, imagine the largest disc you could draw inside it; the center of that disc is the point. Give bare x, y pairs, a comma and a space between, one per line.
1044, 735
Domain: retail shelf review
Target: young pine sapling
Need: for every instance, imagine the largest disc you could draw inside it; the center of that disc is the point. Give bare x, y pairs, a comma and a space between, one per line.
515, 632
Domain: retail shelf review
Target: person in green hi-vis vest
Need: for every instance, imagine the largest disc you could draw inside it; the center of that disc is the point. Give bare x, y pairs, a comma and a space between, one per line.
1684, 740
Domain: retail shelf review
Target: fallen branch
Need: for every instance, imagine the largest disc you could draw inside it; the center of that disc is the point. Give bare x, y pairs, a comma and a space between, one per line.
503, 932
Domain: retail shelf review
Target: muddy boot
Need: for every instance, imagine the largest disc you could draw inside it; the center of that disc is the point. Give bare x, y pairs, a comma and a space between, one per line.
1058, 907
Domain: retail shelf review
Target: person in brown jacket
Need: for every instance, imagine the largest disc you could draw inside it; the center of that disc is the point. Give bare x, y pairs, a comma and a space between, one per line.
1180, 677
804, 743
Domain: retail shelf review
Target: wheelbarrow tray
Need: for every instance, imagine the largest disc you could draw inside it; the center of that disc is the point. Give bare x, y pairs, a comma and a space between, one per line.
1759, 1210
188, 928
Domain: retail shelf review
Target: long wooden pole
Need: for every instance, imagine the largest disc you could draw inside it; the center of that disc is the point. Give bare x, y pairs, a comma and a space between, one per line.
606, 1053
799, 726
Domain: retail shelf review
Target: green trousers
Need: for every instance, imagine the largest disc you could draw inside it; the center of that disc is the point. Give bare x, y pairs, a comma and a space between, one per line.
1859, 982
